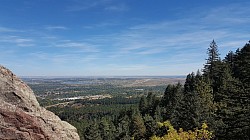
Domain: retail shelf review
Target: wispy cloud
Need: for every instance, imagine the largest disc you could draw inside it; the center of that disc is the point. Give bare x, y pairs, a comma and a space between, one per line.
107, 24
177, 42
111, 46
85, 5
19, 41
128, 67
229, 15
79, 46
117, 8
82, 6
63, 58
4, 29
56, 28
106, 5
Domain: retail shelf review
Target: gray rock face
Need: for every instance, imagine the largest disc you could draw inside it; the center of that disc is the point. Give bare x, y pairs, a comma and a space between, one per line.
21, 116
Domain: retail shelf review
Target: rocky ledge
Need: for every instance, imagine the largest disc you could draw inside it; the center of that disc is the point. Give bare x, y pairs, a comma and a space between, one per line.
21, 116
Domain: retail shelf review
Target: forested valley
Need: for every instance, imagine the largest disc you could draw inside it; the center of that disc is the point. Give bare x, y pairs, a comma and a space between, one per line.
213, 103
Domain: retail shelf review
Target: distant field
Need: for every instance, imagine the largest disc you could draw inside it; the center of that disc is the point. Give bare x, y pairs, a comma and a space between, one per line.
153, 82
116, 80
60, 88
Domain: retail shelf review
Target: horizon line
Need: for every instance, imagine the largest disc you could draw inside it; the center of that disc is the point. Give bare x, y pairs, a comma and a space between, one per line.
109, 76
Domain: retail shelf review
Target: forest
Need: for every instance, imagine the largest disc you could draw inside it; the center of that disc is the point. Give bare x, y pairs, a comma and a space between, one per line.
213, 103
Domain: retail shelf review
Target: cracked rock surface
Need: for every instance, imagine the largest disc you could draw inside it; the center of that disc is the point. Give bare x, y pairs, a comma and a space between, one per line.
21, 116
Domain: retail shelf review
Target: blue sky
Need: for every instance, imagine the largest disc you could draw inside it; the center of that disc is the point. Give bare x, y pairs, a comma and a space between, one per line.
117, 37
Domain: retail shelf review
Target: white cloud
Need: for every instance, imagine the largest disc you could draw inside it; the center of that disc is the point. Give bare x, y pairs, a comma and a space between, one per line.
4, 29
85, 5
128, 67
101, 25
65, 58
180, 43
17, 40
79, 6
117, 8
229, 15
107, 5
157, 47
79, 46
56, 28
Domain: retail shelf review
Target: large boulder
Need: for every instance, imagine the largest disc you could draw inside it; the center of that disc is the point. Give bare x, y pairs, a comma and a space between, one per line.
21, 116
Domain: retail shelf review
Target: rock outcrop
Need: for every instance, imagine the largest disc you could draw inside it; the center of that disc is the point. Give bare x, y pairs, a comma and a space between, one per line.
21, 116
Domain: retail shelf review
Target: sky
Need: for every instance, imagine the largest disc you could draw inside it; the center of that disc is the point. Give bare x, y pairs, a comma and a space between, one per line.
117, 37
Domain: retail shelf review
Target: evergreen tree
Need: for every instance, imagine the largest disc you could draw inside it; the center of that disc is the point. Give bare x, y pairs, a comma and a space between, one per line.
229, 59
186, 114
206, 106
123, 126
171, 99
213, 57
158, 114
198, 75
92, 132
196, 106
189, 83
151, 103
106, 129
233, 110
213, 69
234, 104
151, 126
122, 134
242, 65
138, 128
147, 105
143, 105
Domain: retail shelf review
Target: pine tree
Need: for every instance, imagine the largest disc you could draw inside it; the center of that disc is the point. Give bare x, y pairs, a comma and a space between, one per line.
182, 115
189, 83
186, 114
242, 65
171, 99
213, 57
158, 114
143, 105
138, 128
123, 126
196, 106
206, 106
213, 69
229, 59
92, 132
233, 109
151, 126
234, 98
151, 103
147, 105
106, 129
